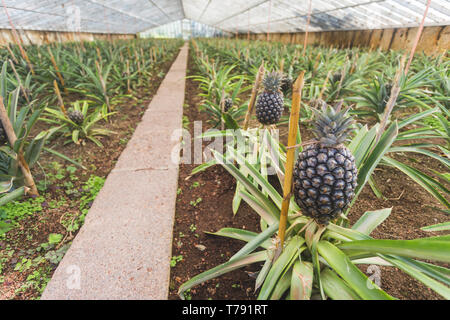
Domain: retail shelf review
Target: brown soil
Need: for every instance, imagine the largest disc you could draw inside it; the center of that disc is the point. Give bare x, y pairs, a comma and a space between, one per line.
216, 188
34, 230
412, 209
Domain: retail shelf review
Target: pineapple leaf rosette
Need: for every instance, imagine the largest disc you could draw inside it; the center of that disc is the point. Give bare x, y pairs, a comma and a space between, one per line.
322, 256
78, 124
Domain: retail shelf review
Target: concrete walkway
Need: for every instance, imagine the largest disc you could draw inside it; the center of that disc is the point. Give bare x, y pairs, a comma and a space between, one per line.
123, 250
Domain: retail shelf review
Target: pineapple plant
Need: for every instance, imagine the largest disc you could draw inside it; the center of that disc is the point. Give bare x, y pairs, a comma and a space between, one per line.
270, 103
86, 124
322, 261
75, 116
325, 173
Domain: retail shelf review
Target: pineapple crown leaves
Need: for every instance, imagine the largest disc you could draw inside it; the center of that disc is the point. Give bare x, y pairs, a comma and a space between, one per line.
74, 111
332, 125
272, 81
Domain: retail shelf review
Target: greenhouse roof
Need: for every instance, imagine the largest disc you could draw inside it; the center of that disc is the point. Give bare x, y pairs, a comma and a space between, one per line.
258, 16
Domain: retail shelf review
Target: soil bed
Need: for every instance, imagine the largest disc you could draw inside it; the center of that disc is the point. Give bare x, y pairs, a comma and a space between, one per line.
204, 205
67, 193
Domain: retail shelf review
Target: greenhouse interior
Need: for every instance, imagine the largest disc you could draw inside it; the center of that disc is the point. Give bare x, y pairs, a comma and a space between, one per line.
224, 150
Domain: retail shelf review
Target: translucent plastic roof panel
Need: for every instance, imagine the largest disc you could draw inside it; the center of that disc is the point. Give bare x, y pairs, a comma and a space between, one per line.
184, 29
259, 16
104, 16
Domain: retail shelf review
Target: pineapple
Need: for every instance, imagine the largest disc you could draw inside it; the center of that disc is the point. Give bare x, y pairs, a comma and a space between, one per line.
336, 77
388, 89
325, 173
228, 104
286, 83
270, 103
317, 103
3, 136
76, 116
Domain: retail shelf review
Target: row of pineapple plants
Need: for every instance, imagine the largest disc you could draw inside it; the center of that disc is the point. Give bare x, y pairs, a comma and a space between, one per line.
306, 247
359, 83
73, 89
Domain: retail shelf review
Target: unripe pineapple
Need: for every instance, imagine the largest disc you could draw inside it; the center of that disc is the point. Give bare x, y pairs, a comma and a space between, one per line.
317, 103
388, 88
228, 104
3, 136
325, 173
270, 103
286, 83
76, 116
336, 77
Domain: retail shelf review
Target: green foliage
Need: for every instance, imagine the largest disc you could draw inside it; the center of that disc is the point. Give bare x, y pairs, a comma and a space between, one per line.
175, 259
23, 120
328, 255
54, 238
356, 76
217, 83
17, 210
195, 202
55, 256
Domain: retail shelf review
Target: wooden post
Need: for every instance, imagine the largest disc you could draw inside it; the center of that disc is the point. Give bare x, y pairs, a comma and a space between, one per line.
19, 81
252, 101
222, 108
99, 70
29, 181
12, 54
248, 25
316, 63
354, 64
268, 21
395, 91
306, 31
128, 75
324, 85
61, 79
60, 99
290, 154
18, 40
416, 41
